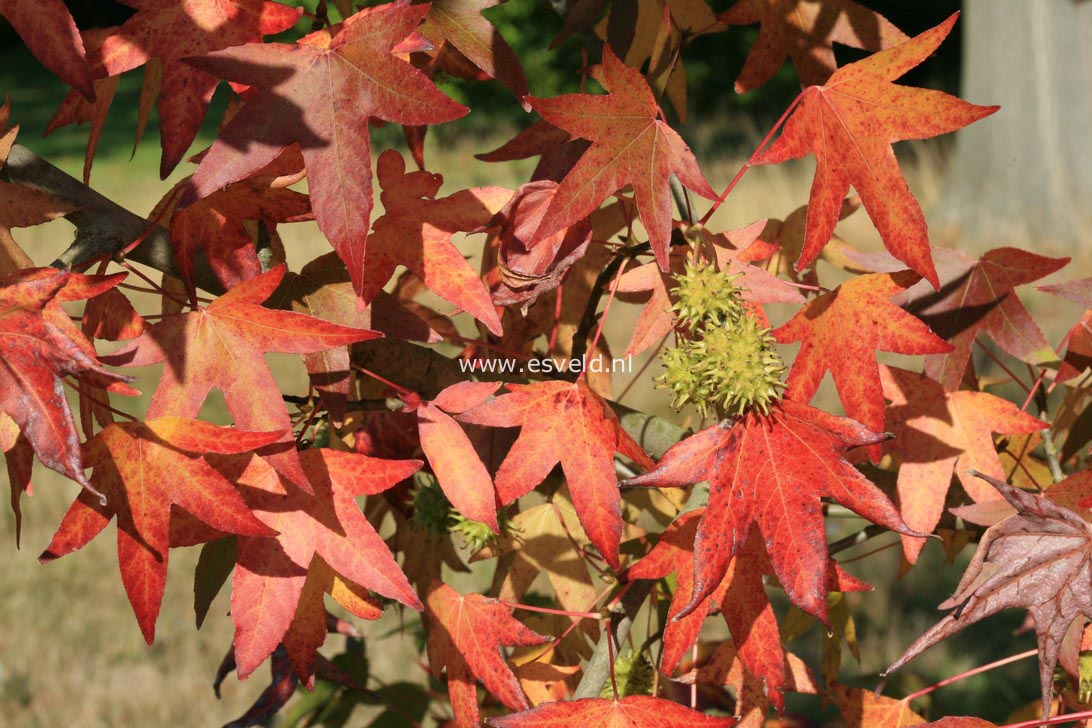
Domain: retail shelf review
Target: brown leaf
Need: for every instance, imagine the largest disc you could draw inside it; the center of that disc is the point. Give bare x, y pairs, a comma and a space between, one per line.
1039, 559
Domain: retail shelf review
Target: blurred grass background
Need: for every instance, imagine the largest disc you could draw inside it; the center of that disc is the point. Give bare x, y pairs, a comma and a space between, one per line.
70, 652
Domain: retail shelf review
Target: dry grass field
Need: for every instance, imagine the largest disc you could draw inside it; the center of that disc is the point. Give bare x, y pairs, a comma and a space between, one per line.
70, 651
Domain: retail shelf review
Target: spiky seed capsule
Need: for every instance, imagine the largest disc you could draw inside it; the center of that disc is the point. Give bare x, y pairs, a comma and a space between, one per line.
706, 296
431, 509
475, 534
724, 362
633, 674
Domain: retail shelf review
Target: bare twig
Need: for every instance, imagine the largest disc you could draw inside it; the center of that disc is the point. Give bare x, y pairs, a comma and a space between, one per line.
597, 671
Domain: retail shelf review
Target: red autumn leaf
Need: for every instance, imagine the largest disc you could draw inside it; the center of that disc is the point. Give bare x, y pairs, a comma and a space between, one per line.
307, 632
1078, 349
215, 225
735, 251
1039, 559
222, 346
630, 146
806, 32
841, 332
740, 596
772, 471
456, 464
567, 423
268, 593
527, 267
415, 231
465, 634
110, 316
849, 125
634, 711
978, 296
1079, 292
322, 289
463, 25
320, 93
19, 460
171, 30
48, 30
558, 149
39, 345
78, 110
938, 433
143, 469
862, 708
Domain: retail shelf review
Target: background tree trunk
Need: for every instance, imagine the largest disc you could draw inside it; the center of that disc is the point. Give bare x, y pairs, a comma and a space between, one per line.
1024, 175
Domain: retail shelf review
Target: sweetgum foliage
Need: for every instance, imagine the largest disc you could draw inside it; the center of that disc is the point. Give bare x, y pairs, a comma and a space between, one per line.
421, 437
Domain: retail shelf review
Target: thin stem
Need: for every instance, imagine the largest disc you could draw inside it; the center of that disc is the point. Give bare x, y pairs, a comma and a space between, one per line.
606, 309
580, 339
610, 657
870, 531
1049, 448
750, 160
1001, 364
99, 402
156, 288
873, 552
548, 610
376, 377
984, 668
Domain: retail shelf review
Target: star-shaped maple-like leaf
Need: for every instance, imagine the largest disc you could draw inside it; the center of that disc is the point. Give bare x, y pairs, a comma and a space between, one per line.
849, 124
841, 332
222, 346
564, 422
1039, 559
462, 24
320, 93
143, 469
772, 471
634, 711
740, 596
978, 297
48, 30
465, 634
39, 345
169, 31
806, 32
938, 432
415, 231
630, 146
271, 573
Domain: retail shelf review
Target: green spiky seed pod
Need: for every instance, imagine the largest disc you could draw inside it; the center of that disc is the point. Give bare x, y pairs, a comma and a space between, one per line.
431, 509
633, 674
724, 363
475, 534
706, 295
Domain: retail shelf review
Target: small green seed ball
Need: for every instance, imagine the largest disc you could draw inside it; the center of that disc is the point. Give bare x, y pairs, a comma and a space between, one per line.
633, 674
